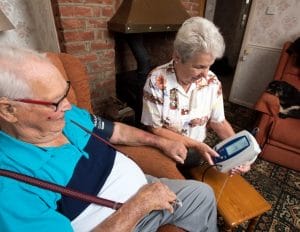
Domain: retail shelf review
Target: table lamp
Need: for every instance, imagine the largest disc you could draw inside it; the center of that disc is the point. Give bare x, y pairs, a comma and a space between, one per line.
5, 24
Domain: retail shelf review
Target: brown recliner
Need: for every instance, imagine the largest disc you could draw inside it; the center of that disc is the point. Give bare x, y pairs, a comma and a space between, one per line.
151, 160
278, 137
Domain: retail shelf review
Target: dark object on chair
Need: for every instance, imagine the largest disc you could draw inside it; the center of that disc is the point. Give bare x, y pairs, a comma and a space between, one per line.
279, 138
289, 98
193, 159
294, 48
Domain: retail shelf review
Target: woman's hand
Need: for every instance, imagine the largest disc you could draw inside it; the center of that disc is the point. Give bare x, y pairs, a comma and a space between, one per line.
207, 152
240, 169
175, 150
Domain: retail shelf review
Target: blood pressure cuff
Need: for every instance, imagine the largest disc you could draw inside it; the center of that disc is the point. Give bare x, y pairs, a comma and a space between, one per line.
103, 127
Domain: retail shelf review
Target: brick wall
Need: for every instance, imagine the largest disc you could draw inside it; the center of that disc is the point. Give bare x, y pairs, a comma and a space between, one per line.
83, 32
192, 6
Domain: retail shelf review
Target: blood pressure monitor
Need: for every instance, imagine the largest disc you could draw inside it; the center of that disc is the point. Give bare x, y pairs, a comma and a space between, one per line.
237, 150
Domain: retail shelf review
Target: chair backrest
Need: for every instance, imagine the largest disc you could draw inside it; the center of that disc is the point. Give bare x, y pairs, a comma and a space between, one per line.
72, 69
286, 69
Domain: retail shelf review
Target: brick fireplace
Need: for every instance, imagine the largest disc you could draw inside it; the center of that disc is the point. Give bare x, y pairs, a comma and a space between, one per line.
82, 29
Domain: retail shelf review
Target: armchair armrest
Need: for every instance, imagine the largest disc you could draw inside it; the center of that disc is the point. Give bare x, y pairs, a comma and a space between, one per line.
268, 104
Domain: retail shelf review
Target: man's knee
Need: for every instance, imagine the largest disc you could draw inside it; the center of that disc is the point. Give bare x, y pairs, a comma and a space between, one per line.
203, 192
198, 211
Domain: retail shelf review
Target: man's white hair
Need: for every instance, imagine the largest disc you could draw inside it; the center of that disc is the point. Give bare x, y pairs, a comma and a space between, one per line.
13, 78
198, 34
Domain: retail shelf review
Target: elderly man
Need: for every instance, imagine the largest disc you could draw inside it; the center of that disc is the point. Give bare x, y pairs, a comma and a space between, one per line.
38, 138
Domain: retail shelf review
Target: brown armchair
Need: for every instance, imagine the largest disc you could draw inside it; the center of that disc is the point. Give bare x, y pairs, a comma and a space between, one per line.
151, 160
280, 138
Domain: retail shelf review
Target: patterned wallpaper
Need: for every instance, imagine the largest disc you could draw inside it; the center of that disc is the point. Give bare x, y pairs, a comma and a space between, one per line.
270, 24
34, 25
275, 21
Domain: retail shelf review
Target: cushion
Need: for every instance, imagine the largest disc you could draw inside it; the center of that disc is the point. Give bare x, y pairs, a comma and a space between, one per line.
55, 60
72, 69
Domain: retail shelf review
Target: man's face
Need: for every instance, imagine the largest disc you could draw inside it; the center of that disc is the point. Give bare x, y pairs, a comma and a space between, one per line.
37, 117
194, 68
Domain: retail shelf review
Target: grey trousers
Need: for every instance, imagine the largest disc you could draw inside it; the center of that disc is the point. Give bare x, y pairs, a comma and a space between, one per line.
197, 213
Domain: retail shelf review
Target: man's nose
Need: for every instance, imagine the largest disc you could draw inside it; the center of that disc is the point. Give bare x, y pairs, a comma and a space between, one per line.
65, 105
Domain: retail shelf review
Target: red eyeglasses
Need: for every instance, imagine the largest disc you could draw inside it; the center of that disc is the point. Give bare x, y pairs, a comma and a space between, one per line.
55, 105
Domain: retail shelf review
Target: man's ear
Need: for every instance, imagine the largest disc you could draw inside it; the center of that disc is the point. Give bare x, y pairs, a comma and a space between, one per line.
7, 111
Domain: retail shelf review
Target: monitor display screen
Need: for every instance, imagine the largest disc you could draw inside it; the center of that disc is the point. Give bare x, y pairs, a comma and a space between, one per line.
238, 145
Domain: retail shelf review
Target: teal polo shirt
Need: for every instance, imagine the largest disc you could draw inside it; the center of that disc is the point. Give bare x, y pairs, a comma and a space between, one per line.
24, 207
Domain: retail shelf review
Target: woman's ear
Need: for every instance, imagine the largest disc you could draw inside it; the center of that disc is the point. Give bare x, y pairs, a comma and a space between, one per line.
176, 57
7, 111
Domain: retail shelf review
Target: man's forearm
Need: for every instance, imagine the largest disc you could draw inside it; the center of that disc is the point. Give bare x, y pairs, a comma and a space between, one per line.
124, 134
138, 206
124, 219
131, 136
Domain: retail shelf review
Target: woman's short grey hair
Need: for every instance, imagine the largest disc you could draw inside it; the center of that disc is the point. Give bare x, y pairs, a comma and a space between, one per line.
13, 81
198, 34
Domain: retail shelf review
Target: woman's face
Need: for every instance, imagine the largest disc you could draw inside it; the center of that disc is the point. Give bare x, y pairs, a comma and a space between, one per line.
194, 68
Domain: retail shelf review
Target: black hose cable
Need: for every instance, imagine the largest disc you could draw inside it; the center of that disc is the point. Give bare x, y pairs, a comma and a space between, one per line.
207, 168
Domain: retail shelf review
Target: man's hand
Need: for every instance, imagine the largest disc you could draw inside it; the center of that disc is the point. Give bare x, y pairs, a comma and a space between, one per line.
175, 150
155, 196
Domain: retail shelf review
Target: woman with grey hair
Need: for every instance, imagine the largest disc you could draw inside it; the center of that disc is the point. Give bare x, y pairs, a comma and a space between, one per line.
183, 97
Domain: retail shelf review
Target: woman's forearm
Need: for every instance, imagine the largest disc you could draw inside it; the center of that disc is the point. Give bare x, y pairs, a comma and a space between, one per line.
223, 129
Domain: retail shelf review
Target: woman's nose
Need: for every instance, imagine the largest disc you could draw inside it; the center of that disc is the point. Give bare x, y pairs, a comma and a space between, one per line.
203, 73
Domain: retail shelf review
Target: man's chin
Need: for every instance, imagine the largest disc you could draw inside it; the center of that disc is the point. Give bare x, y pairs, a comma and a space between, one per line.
59, 121
59, 125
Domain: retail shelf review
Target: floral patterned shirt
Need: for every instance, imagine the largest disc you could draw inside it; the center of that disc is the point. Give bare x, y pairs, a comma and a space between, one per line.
166, 104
